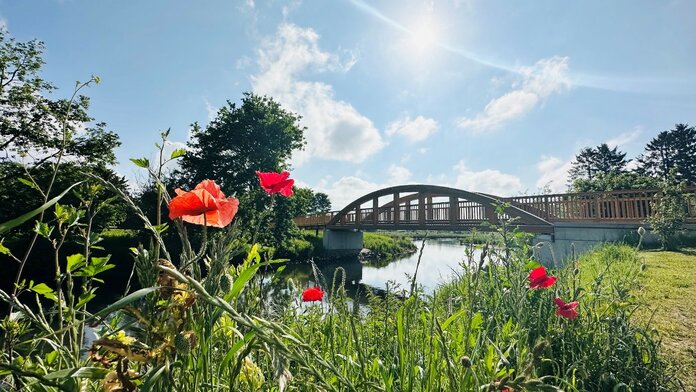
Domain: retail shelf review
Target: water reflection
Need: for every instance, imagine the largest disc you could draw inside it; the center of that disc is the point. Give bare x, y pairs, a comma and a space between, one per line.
441, 259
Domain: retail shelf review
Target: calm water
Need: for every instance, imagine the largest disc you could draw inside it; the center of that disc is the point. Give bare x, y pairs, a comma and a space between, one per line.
441, 258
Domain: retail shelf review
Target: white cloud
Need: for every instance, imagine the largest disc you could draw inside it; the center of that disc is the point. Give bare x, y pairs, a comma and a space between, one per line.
212, 110
489, 181
553, 173
415, 130
335, 129
346, 189
546, 77
624, 138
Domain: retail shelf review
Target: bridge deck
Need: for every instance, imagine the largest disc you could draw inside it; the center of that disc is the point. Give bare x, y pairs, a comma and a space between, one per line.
415, 212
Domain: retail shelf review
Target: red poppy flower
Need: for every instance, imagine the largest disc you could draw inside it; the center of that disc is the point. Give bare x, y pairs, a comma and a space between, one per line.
272, 182
312, 294
538, 279
567, 310
205, 204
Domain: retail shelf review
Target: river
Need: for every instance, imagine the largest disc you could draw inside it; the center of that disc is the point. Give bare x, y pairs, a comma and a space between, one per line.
441, 259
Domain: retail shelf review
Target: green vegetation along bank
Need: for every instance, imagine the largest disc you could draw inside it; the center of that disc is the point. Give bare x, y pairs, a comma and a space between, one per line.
383, 248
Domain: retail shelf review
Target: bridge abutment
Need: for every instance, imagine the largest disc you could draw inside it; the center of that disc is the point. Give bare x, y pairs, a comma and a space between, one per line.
573, 239
343, 240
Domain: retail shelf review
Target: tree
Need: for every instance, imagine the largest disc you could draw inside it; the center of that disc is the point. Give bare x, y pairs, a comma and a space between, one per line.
256, 135
305, 201
669, 211
601, 159
36, 130
673, 149
320, 203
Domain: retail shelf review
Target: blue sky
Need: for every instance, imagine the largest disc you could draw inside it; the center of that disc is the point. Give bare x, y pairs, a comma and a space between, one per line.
487, 96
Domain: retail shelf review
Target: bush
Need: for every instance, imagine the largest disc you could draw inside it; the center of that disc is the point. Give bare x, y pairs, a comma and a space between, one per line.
669, 213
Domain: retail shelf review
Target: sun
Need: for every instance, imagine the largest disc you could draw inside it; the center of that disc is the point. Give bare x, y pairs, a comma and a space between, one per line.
424, 35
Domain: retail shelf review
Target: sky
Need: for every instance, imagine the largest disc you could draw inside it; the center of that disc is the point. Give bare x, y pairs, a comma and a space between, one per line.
487, 96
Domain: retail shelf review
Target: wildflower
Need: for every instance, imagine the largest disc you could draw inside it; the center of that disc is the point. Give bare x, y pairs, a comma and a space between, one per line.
312, 294
567, 310
538, 279
204, 205
272, 182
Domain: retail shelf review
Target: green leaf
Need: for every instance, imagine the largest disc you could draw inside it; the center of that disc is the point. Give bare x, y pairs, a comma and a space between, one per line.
233, 351
132, 297
44, 290
4, 250
161, 228
179, 152
75, 261
50, 357
43, 229
94, 373
9, 225
476, 321
241, 281
151, 378
84, 298
29, 183
532, 265
141, 162
452, 318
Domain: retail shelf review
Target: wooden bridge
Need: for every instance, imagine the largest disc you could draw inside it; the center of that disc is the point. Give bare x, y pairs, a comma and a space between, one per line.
429, 207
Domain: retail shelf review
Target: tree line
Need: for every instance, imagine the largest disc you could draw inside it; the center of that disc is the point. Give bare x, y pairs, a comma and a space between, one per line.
671, 155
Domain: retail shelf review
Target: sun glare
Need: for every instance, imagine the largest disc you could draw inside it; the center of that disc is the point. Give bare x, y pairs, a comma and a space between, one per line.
423, 37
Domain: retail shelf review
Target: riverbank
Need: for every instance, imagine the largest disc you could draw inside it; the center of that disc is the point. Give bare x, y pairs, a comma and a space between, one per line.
668, 286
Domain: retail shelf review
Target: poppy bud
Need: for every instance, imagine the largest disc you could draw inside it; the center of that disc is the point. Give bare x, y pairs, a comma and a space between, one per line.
465, 361
225, 283
182, 344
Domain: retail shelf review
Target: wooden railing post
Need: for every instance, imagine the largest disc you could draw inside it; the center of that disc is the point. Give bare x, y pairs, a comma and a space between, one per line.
453, 209
375, 211
421, 209
357, 215
395, 206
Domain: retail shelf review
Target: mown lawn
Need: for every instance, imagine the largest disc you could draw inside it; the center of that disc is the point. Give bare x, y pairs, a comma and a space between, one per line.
669, 288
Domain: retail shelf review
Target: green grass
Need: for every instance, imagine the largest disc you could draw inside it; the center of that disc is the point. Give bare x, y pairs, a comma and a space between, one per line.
668, 286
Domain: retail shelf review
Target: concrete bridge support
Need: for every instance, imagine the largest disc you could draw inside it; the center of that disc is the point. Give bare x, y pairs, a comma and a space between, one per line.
343, 240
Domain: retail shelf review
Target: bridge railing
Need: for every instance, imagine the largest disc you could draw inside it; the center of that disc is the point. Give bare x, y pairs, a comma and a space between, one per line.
631, 206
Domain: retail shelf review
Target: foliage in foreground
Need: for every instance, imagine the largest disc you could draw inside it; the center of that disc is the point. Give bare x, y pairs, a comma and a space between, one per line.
206, 325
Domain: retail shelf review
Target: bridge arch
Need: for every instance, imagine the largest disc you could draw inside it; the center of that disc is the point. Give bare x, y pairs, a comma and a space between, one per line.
430, 207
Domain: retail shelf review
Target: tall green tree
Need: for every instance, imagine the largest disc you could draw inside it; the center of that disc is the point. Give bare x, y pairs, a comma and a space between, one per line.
306, 201
591, 161
672, 149
320, 203
256, 135
35, 130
